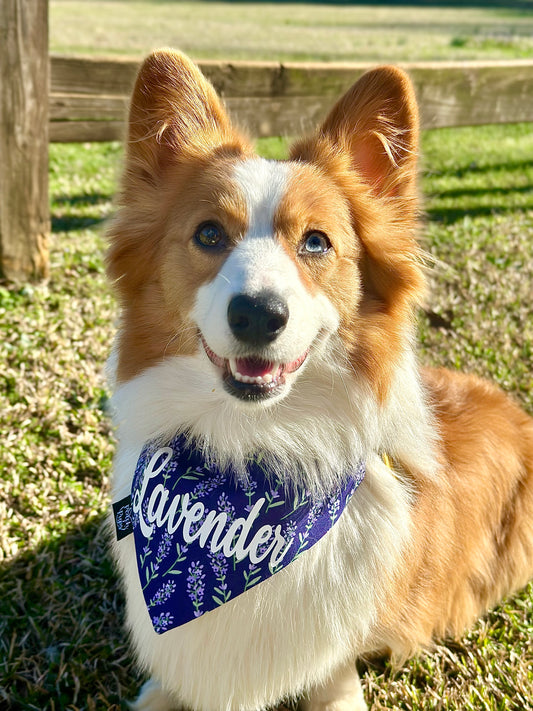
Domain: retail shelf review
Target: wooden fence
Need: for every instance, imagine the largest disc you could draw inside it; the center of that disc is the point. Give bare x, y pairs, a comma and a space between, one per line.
89, 95
88, 100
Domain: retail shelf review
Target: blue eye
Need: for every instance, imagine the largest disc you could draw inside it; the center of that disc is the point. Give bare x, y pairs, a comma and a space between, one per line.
210, 235
315, 243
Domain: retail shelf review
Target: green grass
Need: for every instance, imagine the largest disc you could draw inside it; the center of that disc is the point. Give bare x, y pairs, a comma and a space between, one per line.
285, 31
62, 644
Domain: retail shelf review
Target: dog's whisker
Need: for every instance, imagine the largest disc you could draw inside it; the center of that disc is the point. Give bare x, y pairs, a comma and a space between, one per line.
224, 277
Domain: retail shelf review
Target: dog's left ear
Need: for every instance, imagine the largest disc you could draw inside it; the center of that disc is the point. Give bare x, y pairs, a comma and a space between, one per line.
368, 144
376, 123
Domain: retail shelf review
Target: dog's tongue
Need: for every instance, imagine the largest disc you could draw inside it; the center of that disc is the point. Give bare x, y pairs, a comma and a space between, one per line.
254, 367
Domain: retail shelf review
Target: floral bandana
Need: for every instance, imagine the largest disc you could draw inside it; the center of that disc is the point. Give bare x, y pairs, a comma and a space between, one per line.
204, 536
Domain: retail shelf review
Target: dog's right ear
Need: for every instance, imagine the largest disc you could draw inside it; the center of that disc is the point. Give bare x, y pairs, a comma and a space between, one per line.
174, 112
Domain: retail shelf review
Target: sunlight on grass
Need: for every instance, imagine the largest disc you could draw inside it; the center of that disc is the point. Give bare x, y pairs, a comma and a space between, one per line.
285, 31
62, 644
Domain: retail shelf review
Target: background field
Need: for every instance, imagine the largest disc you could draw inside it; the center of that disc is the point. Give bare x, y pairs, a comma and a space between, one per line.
331, 32
62, 644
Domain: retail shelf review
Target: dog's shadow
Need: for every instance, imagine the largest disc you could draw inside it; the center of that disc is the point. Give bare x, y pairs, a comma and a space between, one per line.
63, 643
62, 639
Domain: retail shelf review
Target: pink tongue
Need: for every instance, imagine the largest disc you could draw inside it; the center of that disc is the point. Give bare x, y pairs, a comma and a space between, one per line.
253, 367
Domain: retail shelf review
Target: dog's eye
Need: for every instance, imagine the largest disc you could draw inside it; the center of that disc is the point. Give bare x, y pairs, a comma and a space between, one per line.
210, 235
315, 243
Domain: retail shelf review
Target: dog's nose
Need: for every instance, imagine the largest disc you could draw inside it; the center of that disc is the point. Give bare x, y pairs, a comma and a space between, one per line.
257, 320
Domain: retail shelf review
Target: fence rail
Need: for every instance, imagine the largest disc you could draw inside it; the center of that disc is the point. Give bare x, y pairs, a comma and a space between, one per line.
89, 96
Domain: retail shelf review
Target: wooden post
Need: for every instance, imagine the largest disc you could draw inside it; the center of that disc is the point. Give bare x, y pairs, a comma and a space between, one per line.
24, 88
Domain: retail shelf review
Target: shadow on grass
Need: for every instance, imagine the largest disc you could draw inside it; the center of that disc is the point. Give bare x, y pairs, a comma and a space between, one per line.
451, 215
68, 223
504, 167
62, 640
465, 193
63, 645
69, 212
83, 199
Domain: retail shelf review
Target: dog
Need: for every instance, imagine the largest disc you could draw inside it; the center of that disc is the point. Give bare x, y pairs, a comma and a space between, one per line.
291, 489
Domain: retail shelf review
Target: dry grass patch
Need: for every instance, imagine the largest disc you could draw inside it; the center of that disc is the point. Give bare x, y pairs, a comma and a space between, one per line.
294, 31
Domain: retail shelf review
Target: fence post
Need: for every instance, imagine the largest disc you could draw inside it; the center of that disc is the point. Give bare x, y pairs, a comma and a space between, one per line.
24, 89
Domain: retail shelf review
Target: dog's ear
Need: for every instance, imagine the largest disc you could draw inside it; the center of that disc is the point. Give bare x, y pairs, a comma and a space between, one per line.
376, 124
174, 112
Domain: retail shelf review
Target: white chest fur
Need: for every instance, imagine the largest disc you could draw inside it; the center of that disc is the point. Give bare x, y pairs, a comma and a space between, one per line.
294, 629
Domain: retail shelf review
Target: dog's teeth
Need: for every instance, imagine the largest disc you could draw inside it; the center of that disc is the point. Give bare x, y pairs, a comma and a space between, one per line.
265, 379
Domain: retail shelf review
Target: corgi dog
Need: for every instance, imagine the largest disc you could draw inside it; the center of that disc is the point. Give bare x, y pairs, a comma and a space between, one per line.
291, 489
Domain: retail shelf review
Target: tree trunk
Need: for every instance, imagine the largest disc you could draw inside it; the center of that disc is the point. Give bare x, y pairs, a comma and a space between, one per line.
24, 88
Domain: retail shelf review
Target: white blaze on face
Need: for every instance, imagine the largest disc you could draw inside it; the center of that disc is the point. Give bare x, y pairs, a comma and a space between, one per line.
259, 263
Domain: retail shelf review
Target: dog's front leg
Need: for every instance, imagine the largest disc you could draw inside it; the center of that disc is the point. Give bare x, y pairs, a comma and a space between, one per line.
341, 692
153, 698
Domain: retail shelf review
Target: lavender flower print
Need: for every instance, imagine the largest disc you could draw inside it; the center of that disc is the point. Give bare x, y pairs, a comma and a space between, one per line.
181, 555
303, 536
333, 509
137, 514
225, 505
164, 593
163, 550
164, 547
219, 564
206, 487
253, 575
196, 525
162, 622
290, 530
273, 499
249, 487
196, 586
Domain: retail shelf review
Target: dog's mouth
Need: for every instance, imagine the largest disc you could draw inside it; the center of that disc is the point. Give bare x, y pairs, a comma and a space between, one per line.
253, 378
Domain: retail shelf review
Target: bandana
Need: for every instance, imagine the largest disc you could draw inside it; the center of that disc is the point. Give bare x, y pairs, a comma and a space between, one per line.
204, 536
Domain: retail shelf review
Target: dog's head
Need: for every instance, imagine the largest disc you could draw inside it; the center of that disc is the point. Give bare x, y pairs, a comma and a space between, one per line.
252, 266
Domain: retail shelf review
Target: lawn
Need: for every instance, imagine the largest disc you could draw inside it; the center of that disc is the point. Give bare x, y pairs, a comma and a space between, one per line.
61, 639
62, 644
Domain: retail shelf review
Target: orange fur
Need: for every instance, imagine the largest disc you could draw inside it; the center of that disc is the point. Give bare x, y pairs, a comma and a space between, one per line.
368, 145
474, 527
180, 143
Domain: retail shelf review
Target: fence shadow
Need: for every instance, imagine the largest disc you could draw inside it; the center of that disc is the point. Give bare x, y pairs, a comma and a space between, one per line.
73, 212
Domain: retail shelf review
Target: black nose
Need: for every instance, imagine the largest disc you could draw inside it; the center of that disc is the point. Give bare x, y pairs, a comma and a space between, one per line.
257, 320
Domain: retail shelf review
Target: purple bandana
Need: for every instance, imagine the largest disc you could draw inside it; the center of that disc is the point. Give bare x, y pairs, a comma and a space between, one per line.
203, 536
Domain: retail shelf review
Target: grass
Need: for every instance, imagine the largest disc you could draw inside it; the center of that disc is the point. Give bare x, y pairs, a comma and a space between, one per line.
297, 31
62, 644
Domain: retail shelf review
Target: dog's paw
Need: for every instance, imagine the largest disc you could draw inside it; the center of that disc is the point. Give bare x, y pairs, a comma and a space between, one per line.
153, 698
341, 692
355, 703
351, 703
